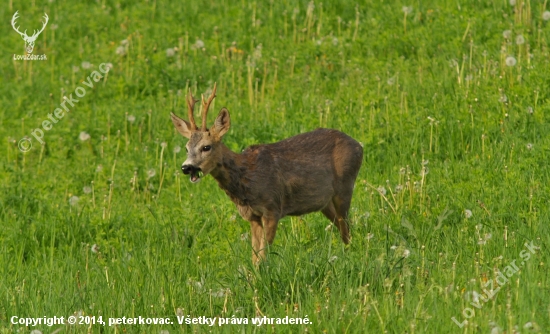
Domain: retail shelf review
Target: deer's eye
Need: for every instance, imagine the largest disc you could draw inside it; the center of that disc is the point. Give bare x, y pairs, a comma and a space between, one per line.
206, 148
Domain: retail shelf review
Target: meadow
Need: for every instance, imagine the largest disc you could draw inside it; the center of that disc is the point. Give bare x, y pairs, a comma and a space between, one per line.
449, 219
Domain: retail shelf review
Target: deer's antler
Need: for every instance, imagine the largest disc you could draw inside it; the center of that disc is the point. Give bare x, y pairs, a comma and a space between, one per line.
206, 105
13, 19
190, 108
46, 19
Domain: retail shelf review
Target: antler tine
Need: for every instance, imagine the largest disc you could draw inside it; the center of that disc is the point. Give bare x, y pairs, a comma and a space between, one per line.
206, 105
13, 23
190, 108
44, 23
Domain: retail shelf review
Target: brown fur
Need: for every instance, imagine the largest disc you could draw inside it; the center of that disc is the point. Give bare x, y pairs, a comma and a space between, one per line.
313, 171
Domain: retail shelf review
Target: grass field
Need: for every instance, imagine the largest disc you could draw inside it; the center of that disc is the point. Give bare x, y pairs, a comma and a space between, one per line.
450, 100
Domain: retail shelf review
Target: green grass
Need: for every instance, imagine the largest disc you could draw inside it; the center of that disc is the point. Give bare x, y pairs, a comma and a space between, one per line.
444, 122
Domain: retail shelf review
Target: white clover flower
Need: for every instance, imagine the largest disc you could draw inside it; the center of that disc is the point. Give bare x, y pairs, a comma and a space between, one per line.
84, 136
73, 200
87, 189
511, 61
529, 146
170, 52
520, 39
507, 34
131, 118
151, 172
393, 247
468, 213
332, 259
546, 16
530, 110
95, 248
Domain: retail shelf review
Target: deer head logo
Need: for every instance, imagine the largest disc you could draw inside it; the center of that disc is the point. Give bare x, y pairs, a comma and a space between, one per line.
29, 40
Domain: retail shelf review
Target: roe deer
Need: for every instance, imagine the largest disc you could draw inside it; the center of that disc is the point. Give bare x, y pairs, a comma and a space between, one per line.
313, 171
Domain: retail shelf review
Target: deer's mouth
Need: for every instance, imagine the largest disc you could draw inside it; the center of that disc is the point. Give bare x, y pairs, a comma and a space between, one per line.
196, 175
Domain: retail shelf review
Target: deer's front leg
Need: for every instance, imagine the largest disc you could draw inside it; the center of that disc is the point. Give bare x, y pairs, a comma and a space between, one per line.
257, 233
263, 233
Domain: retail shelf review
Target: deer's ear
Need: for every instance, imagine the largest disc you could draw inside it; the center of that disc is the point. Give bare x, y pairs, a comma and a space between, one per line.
222, 123
181, 125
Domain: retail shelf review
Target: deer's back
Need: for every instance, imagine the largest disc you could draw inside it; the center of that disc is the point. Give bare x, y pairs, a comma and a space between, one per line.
302, 173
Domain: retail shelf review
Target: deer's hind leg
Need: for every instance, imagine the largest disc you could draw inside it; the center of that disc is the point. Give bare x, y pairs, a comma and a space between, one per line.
332, 213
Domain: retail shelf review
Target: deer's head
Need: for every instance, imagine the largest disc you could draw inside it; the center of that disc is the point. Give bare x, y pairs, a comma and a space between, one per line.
29, 40
204, 148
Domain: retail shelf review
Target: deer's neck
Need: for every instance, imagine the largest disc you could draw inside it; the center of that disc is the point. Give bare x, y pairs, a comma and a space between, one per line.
231, 176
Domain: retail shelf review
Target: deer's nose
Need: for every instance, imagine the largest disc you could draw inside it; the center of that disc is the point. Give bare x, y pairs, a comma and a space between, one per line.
186, 169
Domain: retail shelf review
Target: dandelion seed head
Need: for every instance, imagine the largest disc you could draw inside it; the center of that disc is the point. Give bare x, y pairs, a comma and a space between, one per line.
121, 51
73, 200
407, 9
529, 146
335, 41
170, 52
35, 331
530, 110
131, 118
95, 248
86, 65
99, 168
425, 170
406, 253
199, 44
507, 34
76, 69
511, 61
546, 16
512, 2
151, 172
84, 136
381, 190
520, 39
468, 213
177, 149
87, 189
163, 144
332, 259
370, 236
